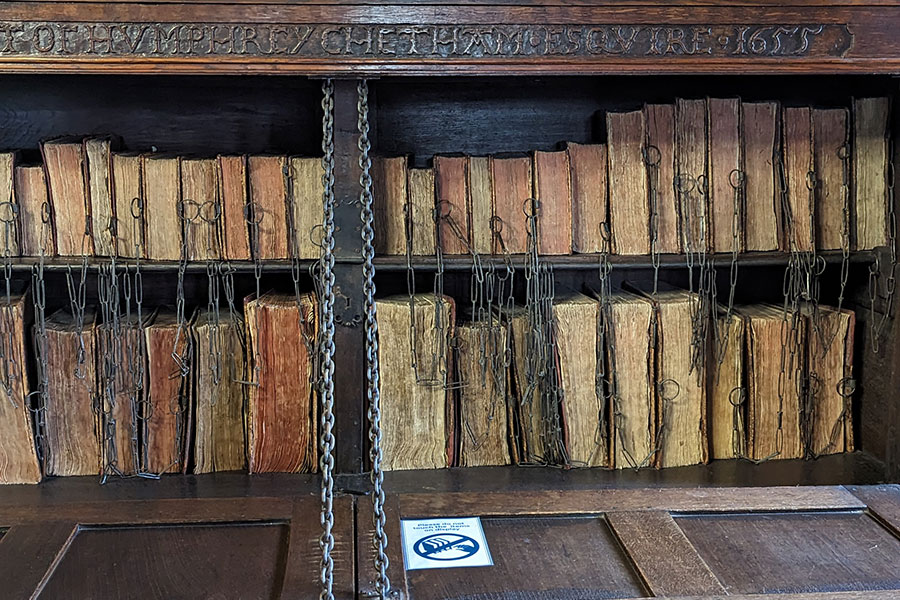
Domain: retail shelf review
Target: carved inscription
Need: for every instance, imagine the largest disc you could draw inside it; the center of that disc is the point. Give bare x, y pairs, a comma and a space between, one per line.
386, 42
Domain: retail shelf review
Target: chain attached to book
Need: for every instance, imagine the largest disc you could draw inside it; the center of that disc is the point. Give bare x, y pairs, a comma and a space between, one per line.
326, 441
39, 298
9, 369
875, 270
379, 537
737, 180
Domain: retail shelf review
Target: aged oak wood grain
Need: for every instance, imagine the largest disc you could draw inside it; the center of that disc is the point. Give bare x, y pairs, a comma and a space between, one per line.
28, 552
665, 559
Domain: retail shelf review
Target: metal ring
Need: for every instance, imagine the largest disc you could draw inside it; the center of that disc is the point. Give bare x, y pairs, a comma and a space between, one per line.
45, 212
439, 212
255, 217
811, 181
737, 178
660, 388
8, 217
843, 151
183, 205
846, 387
535, 206
684, 183
320, 242
216, 208
139, 204
652, 156
605, 233
742, 396
496, 224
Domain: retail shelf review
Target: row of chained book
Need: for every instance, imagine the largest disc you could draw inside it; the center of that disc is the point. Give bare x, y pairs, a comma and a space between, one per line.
152, 393
87, 198
624, 379
707, 175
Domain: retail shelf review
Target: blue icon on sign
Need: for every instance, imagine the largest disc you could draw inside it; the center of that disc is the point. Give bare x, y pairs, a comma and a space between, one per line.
446, 546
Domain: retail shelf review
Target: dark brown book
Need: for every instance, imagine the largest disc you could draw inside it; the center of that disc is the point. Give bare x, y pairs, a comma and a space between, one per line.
587, 163
480, 203
511, 178
420, 188
282, 407
307, 192
169, 361
769, 393
163, 227
36, 231
727, 391
9, 205
98, 177
629, 206
798, 165
18, 459
762, 221
660, 150
450, 180
483, 396
269, 197
830, 373
128, 199
870, 160
202, 208
831, 151
233, 189
219, 443
531, 414
418, 420
72, 428
390, 204
726, 174
123, 388
691, 173
553, 201
576, 319
632, 366
64, 163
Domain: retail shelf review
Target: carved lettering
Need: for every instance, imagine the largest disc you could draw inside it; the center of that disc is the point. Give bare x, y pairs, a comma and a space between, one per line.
43, 38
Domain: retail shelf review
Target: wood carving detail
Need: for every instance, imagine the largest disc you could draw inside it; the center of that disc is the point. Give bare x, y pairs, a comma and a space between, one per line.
389, 42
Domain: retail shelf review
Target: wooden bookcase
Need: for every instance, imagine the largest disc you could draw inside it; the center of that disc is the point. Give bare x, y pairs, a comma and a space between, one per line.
472, 76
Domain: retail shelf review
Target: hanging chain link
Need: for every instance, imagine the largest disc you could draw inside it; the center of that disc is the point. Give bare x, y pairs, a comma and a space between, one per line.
875, 274
326, 443
379, 540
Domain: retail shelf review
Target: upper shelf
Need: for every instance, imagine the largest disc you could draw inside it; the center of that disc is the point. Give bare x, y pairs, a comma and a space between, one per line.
477, 37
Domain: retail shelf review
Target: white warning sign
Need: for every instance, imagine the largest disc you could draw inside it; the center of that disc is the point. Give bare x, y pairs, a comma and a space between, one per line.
444, 543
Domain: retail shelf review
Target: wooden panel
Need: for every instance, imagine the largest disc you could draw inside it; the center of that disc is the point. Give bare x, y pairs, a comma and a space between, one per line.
28, 552
537, 558
172, 562
583, 501
666, 560
883, 501
796, 552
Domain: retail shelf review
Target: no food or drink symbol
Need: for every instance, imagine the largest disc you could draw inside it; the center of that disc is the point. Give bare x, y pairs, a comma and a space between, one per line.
446, 547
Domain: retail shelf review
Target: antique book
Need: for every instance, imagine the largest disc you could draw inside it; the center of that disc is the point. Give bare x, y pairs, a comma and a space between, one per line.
553, 202
680, 385
629, 205
480, 203
762, 219
531, 413
511, 178
831, 151
767, 358
267, 178
691, 173
726, 174
307, 193
128, 200
587, 163
36, 231
830, 368
420, 188
575, 318
72, 428
167, 409
870, 160
727, 393
631, 361
798, 162
218, 395
660, 151
9, 205
451, 185
483, 396
389, 204
417, 414
64, 163
98, 167
163, 227
122, 393
233, 193
202, 208
282, 407
18, 458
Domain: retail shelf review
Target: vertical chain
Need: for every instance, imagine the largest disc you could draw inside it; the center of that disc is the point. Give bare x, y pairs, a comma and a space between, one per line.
9, 217
326, 443
39, 299
379, 540
875, 274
